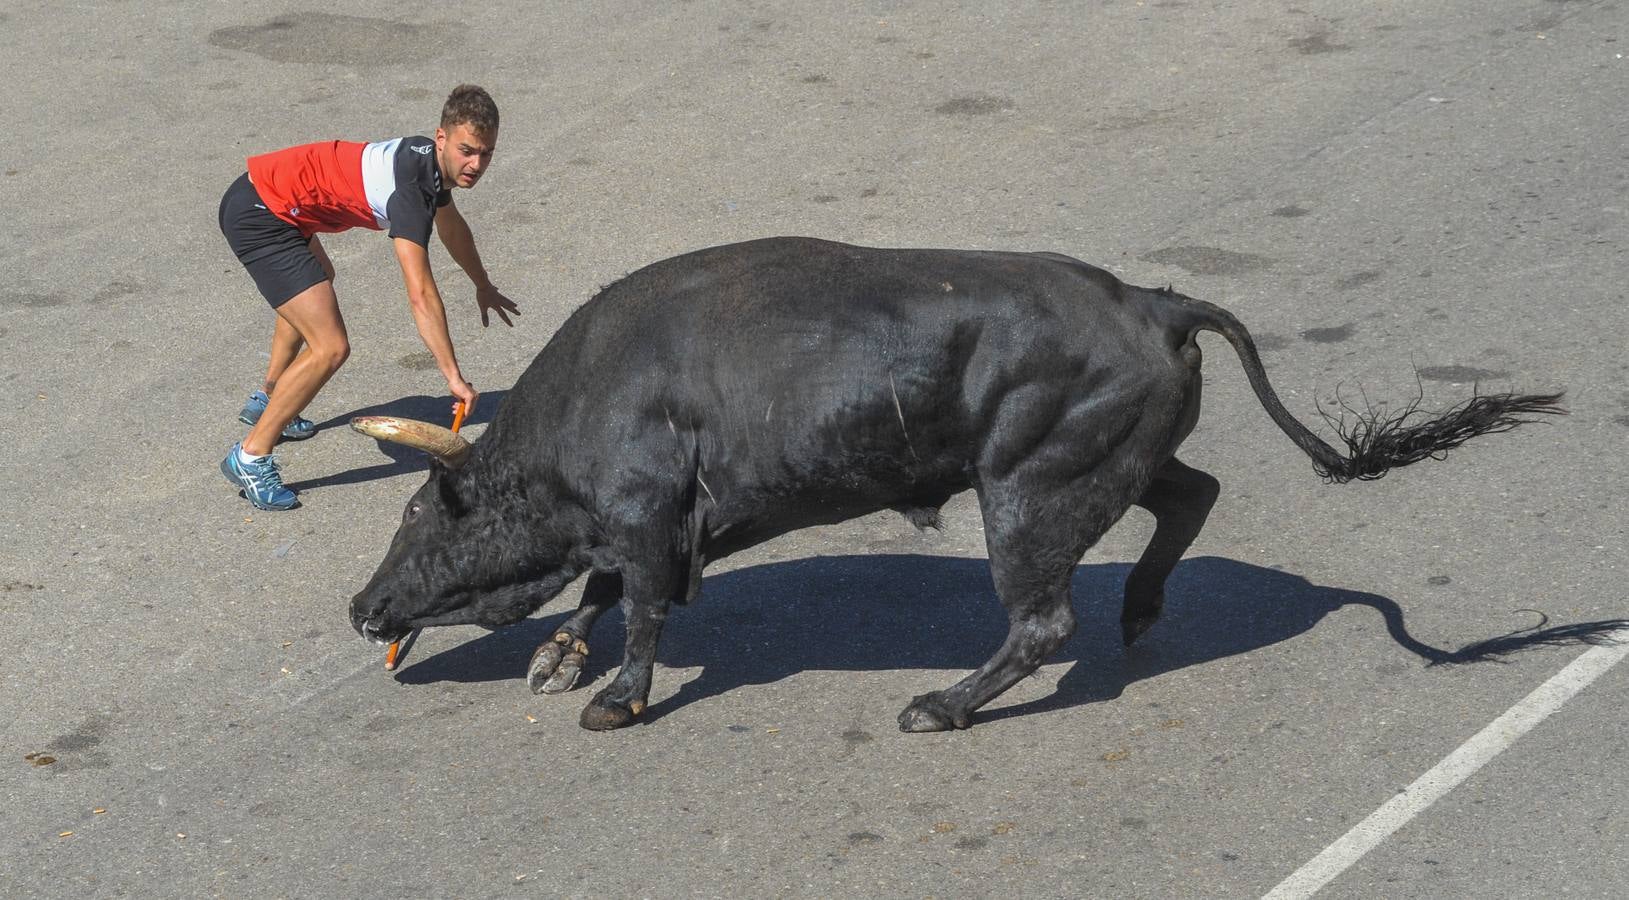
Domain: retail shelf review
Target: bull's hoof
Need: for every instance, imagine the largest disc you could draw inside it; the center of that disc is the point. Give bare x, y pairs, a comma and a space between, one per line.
556, 665
1133, 629
605, 718
928, 713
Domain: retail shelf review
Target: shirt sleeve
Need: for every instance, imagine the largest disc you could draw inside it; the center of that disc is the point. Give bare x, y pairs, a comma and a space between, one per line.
412, 206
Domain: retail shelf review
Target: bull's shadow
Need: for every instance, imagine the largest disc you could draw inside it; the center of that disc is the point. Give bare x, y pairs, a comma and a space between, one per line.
403, 460
860, 613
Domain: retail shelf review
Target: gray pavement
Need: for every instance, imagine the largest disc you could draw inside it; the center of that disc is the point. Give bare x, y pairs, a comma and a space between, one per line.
1372, 189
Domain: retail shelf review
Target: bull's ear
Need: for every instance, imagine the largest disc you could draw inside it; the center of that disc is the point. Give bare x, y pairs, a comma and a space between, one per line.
446, 480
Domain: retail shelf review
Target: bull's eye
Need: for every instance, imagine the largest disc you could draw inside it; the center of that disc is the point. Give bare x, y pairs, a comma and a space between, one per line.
411, 512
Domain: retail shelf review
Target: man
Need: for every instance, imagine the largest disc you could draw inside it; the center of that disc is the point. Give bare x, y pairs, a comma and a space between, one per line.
271, 217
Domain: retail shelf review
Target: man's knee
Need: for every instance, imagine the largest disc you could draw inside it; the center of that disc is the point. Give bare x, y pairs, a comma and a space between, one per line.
332, 355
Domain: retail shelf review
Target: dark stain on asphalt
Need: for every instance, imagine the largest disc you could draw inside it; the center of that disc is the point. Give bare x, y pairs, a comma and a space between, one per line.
87, 735
1438, 580
32, 300
1621, 420
976, 105
1134, 823
1460, 374
226, 85
74, 750
581, 161
815, 79
972, 843
417, 362
1317, 43
1208, 260
824, 198
1291, 212
1357, 280
357, 41
855, 737
862, 838
1329, 335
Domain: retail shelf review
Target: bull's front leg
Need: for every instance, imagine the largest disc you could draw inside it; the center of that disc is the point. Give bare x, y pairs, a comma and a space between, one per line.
625, 697
559, 660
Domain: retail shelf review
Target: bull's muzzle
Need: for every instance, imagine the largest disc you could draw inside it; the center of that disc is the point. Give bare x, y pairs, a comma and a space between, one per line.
435, 440
370, 621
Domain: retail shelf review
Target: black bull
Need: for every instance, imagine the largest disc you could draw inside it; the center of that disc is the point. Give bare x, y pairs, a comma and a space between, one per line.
716, 400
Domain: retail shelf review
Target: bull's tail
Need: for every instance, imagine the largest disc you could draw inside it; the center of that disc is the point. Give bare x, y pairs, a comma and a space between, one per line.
1376, 441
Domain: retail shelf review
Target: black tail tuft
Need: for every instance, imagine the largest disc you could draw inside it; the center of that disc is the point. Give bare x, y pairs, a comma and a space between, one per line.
1594, 634
1377, 442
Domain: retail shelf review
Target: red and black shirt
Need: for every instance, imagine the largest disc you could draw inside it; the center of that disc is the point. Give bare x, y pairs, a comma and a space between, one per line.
333, 186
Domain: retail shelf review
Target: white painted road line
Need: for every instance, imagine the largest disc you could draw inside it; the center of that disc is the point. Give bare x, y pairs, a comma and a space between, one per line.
1456, 767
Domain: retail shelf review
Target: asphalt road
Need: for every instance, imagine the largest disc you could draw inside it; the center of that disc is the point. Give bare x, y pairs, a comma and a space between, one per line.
1377, 190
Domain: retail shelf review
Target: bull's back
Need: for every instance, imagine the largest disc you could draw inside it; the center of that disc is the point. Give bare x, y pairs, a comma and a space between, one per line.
838, 378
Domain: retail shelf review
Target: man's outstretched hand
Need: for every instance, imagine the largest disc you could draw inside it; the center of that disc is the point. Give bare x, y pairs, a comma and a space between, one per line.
491, 300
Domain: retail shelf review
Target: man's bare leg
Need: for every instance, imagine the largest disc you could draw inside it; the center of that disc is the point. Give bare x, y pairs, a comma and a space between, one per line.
286, 340
286, 345
313, 314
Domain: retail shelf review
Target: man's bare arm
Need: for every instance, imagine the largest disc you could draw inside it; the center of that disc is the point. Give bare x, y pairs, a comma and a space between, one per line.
459, 240
430, 315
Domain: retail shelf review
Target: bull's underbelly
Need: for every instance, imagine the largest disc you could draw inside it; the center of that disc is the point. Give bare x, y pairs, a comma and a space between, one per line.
746, 515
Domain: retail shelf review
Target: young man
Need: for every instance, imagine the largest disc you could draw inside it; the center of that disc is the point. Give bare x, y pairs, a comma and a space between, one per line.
271, 217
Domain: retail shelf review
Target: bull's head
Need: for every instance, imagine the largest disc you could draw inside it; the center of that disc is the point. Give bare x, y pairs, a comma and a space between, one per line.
471, 549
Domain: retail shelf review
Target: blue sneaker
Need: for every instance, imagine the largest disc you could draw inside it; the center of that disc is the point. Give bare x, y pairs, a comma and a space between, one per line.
297, 430
260, 481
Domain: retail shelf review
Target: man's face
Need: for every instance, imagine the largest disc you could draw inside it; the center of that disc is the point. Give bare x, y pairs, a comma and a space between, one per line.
464, 154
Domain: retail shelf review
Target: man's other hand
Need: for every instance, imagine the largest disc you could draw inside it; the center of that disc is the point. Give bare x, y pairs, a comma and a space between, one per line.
490, 300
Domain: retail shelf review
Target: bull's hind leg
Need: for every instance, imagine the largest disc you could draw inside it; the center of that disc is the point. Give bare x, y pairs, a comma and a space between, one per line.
1035, 538
1180, 497
559, 660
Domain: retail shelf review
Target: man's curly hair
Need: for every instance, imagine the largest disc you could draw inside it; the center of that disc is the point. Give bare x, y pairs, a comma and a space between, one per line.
470, 105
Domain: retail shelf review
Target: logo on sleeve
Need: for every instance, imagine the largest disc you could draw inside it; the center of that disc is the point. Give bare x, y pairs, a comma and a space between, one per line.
420, 149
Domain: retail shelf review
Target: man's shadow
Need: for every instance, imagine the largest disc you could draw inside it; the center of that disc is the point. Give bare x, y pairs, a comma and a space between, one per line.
403, 460
876, 613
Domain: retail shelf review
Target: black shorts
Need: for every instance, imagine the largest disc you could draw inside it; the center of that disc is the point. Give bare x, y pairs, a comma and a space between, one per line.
277, 256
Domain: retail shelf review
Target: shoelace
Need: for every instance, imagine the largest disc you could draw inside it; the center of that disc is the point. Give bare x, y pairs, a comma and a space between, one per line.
267, 471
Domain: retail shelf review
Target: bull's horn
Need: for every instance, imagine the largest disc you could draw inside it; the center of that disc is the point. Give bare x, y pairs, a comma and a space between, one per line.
435, 440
